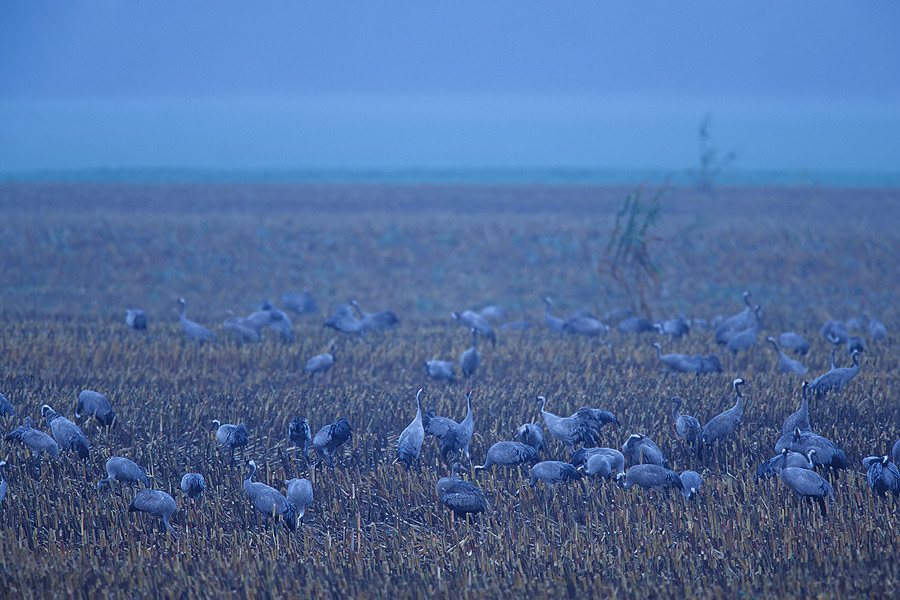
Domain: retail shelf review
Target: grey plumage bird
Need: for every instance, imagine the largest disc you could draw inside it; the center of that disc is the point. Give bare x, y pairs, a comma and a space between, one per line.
857, 323
508, 454
194, 331
826, 381
193, 484
492, 312
320, 363
458, 437
4, 485
135, 318
231, 436
586, 326
691, 482
6, 407
437, 425
343, 320
281, 324
882, 475
721, 426
124, 470
845, 374
680, 363
674, 328
601, 417
736, 323
709, 363
686, 426
785, 459
877, 330
808, 484
553, 472
649, 477
555, 324
66, 433
331, 437
616, 315
302, 303
856, 344
794, 342
532, 434
299, 495
584, 454
580, 428
836, 378
470, 359
410, 443
300, 436
96, 404
634, 325
267, 500
472, 320
379, 321
157, 503
835, 332
827, 452
800, 419
460, 496
263, 317
242, 327
34, 439
745, 339
602, 462
641, 450
454, 437
440, 370
786, 364
511, 454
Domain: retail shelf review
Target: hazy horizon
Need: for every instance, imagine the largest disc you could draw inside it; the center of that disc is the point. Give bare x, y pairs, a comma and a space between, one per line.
410, 86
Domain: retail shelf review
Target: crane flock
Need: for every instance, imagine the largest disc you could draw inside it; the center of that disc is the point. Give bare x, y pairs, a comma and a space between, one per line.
799, 451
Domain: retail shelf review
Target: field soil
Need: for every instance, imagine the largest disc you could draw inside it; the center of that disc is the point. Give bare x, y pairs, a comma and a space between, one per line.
75, 256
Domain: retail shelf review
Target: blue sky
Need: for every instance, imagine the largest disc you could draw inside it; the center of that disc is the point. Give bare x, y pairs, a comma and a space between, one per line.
396, 85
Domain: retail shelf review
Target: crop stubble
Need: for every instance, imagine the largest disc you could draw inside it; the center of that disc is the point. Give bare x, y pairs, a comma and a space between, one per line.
376, 529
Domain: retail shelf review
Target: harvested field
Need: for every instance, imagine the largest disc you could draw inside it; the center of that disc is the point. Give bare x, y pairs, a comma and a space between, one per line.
74, 256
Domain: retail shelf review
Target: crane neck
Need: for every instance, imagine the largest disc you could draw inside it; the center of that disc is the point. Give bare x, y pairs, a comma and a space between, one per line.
740, 398
676, 409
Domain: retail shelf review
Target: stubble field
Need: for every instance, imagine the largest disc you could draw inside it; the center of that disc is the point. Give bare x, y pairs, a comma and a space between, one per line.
75, 256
